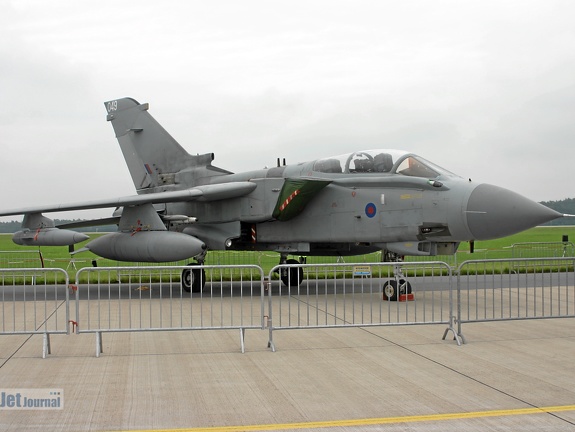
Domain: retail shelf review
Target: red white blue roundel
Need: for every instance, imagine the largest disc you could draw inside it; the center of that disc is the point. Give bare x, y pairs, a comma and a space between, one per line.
370, 210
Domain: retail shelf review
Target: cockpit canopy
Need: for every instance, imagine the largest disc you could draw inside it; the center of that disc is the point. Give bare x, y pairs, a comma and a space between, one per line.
381, 161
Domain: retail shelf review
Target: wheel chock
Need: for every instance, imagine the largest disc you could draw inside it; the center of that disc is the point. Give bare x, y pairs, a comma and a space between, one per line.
402, 297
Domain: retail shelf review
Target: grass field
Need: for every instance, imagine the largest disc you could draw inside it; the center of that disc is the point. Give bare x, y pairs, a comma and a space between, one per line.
14, 256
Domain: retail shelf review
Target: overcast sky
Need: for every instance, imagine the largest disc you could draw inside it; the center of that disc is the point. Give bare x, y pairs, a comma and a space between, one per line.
483, 88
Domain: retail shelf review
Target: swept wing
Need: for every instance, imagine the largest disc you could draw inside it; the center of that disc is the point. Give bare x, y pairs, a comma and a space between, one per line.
201, 193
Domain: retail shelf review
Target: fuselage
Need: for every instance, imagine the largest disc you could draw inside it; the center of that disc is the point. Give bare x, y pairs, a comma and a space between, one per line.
371, 200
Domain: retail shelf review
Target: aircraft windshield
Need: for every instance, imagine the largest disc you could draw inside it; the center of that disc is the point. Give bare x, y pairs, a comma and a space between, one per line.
381, 161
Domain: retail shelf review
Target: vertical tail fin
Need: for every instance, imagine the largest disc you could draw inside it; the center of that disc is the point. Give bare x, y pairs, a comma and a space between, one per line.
153, 156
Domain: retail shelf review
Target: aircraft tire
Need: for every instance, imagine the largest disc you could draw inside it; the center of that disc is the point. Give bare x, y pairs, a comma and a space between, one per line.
291, 276
391, 291
193, 280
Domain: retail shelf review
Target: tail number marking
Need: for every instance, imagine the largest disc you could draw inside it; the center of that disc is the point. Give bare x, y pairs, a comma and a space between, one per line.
112, 106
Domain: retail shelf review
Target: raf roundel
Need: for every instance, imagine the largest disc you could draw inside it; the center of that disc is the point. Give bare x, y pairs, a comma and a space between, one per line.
370, 210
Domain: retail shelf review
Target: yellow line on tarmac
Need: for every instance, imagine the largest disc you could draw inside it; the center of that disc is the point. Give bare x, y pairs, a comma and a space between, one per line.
374, 421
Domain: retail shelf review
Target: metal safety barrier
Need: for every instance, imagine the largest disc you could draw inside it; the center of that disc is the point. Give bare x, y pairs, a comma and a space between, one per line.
34, 301
564, 249
22, 259
496, 290
293, 296
360, 295
132, 299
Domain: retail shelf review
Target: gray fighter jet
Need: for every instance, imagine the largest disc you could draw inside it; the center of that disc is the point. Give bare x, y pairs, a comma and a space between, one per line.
350, 204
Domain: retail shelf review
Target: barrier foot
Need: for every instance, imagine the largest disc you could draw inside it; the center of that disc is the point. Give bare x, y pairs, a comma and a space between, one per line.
242, 339
99, 349
271, 340
456, 337
46, 349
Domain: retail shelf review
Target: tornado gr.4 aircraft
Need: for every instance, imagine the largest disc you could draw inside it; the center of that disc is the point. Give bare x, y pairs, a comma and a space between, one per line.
356, 203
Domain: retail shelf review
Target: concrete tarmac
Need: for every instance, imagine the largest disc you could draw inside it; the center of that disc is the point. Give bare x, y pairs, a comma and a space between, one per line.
517, 375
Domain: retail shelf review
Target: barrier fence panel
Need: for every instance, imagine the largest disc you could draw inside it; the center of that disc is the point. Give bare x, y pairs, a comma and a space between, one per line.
491, 290
361, 295
564, 249
130, 299
21, 259
34, 301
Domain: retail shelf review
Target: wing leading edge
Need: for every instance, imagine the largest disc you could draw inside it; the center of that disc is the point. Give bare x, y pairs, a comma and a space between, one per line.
202, 193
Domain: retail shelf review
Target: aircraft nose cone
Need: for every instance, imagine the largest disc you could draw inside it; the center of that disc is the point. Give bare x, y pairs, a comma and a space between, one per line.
494, 212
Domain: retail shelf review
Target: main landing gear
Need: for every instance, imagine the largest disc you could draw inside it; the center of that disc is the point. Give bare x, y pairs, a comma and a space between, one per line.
194, 279
291, 276
394, 288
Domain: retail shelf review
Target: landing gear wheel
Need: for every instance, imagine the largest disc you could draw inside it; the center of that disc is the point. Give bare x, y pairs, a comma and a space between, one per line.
291, 276
193, 279
391, 292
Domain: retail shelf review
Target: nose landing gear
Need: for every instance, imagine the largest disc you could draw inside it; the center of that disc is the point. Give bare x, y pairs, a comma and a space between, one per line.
398, 288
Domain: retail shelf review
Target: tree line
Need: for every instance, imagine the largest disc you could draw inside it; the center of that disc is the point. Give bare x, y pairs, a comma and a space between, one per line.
566, 206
